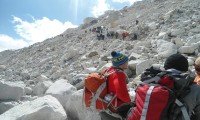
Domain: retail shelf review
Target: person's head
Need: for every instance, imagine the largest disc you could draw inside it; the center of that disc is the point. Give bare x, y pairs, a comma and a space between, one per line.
119, 60
178, 62
197, 65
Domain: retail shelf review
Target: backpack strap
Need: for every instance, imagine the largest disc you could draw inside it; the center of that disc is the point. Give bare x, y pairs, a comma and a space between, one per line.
146, 104
183, 109
106, 74
101, 88
96, 96
154, 79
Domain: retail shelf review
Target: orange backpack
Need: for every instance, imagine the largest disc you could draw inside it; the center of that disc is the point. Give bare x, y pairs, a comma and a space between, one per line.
95, 90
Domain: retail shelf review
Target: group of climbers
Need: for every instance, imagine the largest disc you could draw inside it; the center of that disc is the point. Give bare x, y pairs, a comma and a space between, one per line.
124, 35
102, 32
171, 93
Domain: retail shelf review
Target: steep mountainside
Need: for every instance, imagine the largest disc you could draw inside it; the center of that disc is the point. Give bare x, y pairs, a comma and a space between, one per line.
31, 78
66, 55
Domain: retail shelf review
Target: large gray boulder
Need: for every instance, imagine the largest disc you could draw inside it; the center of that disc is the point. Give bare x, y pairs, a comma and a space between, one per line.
165, 48
187, 49
140, 67
44, 108
62, 90
4, 106
77, 111
11, 90
41, 87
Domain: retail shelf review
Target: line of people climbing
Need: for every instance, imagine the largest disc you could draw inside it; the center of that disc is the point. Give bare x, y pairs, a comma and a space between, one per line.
102, 33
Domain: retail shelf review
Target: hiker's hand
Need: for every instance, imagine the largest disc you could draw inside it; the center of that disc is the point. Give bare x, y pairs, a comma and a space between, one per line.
132, 104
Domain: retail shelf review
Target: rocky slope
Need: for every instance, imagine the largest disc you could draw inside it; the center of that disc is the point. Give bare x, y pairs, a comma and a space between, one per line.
165, 27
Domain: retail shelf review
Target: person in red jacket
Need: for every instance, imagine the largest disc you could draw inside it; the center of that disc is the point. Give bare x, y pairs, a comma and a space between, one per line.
117, 84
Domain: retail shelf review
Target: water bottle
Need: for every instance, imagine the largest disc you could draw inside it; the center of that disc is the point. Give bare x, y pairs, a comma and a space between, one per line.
108, 97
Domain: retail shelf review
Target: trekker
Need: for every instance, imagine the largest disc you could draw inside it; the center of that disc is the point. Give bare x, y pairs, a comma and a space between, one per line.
136, 22
116, 35
117, 85
178, 64
197, 71
134, 36
123, 35
177, 78
112, 34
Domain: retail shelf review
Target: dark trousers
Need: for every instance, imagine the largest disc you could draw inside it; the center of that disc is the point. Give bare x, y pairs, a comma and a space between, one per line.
106, 116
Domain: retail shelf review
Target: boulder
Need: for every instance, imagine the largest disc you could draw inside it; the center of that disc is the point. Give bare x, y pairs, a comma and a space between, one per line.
142, 66
41, 87
133, 63
11, 90
28, 90
186, 50
77, 111
165, 48
4, 106
44, 108
178, 42
61, 90
69, 54
78, 81
178, 31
